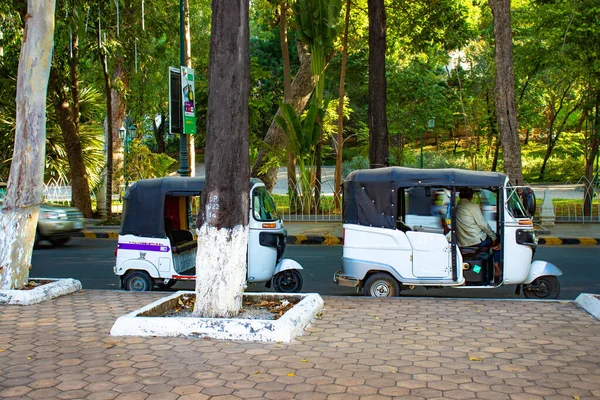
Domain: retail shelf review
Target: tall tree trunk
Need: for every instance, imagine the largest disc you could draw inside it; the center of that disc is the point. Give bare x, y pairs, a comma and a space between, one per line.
109, 126
506, 109
19, 215
69, 123
496, 152
223, 221
67, 112
302, 87
378, 131
337, 192
588, 196
119, 113
493, 126
159, 134
547, 154
187, 57
287, 95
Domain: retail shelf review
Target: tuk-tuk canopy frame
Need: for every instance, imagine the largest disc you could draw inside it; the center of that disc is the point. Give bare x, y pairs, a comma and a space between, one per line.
144, 203
371, 195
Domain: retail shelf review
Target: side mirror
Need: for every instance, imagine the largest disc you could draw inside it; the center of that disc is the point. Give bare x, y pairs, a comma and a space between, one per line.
528, 200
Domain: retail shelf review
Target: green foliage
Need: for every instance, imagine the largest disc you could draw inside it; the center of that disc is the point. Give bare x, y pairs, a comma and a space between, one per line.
141, 163
302, 134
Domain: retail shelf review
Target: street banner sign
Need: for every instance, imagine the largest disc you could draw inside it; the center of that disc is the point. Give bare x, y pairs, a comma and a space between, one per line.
188, 97
175, 106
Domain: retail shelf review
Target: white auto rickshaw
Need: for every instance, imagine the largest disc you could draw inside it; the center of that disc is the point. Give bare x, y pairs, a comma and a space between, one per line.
400, 232
157, 246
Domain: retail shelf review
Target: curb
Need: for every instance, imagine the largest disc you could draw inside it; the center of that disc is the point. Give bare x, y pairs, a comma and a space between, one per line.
590, 303
569, 241
54, 288
329, 240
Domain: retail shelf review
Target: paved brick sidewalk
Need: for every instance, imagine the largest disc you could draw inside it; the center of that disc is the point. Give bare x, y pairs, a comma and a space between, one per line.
360, 348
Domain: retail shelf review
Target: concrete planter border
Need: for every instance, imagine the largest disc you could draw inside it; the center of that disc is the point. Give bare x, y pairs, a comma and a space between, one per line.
285, 329
590, 303
57, 287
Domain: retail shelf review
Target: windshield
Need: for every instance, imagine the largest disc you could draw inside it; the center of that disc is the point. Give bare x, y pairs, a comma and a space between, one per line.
515, 207
263, 206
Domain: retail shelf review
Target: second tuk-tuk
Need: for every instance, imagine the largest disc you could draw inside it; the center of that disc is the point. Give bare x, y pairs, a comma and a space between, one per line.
157, 245
400, 232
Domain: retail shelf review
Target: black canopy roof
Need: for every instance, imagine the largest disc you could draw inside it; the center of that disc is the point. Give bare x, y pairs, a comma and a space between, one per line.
370, 195
143, 209
144, 203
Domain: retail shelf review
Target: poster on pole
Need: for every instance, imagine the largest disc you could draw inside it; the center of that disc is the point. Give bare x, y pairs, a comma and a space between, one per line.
175, 106
188, 97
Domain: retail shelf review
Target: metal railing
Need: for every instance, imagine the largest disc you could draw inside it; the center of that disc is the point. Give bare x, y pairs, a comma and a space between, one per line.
567, 198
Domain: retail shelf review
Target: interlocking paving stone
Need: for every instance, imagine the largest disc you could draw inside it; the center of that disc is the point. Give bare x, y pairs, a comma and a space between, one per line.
361, 348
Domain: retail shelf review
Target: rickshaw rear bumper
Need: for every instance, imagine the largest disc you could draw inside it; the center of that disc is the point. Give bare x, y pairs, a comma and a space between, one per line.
541, 268
345, 280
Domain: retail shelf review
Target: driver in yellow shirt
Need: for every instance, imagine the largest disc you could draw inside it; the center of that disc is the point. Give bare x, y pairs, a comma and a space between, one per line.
472, 229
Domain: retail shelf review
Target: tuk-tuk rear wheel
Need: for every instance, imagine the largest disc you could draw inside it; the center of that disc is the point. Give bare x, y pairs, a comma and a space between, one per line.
288, 281
381, 285
544, 287
138, 281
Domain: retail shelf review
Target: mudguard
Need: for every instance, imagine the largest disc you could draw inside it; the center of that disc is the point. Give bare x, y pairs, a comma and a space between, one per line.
286, 263
138, 265
540, 268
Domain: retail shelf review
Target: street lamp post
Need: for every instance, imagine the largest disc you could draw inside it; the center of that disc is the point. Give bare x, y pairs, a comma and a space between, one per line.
126, 132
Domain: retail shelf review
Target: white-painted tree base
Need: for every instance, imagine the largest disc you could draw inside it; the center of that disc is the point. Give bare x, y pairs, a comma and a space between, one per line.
285, 329
590, 303
57, 287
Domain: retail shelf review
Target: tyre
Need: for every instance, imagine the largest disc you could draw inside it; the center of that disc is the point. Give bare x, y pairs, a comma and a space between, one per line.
288, 281
544, 287
60, 241
138, 281
381, 285
168, 285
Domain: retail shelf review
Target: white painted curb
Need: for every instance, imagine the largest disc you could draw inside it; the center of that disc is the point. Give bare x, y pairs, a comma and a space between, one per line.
58, 287
285, 329
590, 303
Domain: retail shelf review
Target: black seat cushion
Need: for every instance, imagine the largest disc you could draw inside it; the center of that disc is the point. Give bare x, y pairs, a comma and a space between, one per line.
474, 250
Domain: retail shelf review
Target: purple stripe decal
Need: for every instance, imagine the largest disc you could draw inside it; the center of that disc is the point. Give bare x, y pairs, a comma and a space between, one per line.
145, 247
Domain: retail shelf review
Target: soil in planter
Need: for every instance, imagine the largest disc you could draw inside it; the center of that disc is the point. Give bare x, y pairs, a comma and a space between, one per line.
33, 284
251, 308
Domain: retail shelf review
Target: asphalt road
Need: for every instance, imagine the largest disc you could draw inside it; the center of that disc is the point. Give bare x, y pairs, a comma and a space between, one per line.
91, 261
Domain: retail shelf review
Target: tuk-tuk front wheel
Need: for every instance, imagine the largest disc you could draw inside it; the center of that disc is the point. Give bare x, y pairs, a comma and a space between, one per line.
138, 281
544, 287
288, 281
381, 285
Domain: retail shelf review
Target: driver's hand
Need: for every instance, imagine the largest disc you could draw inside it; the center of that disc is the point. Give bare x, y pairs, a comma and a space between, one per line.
496, 245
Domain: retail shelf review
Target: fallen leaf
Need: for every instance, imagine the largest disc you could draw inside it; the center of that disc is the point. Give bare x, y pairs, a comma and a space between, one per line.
303, 360
576, 397
478, 310
473, 358
392, 371
376, 317
257, 372
117, 355
2, 351
29, 358
291, 374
